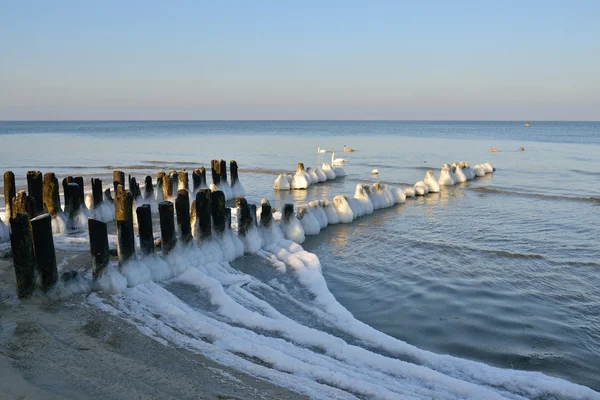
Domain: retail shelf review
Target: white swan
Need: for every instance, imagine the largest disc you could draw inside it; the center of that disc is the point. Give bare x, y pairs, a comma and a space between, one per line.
320, 150
348, 149
375, 172
336, 161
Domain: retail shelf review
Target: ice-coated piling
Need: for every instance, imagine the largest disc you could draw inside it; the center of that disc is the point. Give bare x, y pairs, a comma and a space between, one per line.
288, 211
223, 170
97, 195
183, 178
144, 222
201, 210
175, 182
43, 250
227, 218
72, 201
79, 181
98, 246
253, 213
196, 180
215, 166
50, 194
34, 188
148, 188
118, 179
167, 226
233, 171
23, 203
218, 210
108, 197
9, 193
22, 252
244, 216
182, 207
167, 183
203, 176
266, 214
159, 187
124, 218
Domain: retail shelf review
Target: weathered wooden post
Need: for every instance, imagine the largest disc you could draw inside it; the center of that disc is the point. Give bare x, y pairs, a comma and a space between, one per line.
124, 218
223, 170
51, 195
233, 171
159, 187
266, 214
288, 212
65, 182
144, 218
201, 210
79, 181
174, 182
196, 180
182, 207
167, 226
72, 201
214, 169
218, 211
9, 193
23, 203
22, 252
183, 180
98, 246
227, 218
118, 179
134, 188
203, 176
167, 187
244, 217
43, 250
97, 195
148, 188
108, 197
34, 188
253, 214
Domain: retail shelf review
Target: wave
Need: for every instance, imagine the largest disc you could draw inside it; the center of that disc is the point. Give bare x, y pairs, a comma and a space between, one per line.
590, 173
536, 195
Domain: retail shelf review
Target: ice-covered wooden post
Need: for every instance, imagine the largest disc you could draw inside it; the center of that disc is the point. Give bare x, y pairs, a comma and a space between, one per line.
201, 210
196, 180
244, 217
79, 181
43, 247
266, 214
288, 212
72, 201
183, 180
144, 219
223, 170
160, 187
118, 179
167, 187
253, 213
22, 253
65, 182
98, 246
174, 182
108, 197
218, 211
23, 203
97, 195
134, 188
227, 218
148, 188
214, 169
203, 176
51, 194
167, 226
34, 188
233, 171
9, 193
182, 207
124, 218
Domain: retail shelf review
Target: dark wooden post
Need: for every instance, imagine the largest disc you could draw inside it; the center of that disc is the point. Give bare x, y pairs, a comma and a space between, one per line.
244, 217
160, 186
108, 197
79, 181
218, 210
167, 226
23, 203
266, 214
98, 246
174, 182
253, 213
288, 212
50, 194
34, 188
183, 180
72, 201
65, 182
182, 207
233, 171
144, 218
43, 250
202, 213
134, 188
9, 193
223, 170
167, 187
196, 180
214, 169
124, 218
22, 252
227, 218
148, 188
118, 179
203, 176
97, 195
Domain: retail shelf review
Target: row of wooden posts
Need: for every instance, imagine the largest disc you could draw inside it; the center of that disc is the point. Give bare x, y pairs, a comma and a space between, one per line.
33, 245
42, 195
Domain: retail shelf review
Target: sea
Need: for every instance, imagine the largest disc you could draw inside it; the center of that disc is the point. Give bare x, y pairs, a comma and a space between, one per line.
487, 289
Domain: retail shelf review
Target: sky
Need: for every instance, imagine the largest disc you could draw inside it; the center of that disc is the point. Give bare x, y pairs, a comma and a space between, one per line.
392, 60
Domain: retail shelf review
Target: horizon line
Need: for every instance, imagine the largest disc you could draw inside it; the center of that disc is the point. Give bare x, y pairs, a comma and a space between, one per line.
293, 120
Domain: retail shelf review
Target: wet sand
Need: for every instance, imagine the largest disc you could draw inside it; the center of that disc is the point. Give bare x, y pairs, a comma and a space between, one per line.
66, 349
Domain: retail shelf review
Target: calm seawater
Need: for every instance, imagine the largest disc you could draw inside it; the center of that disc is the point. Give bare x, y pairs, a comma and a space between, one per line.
504, 269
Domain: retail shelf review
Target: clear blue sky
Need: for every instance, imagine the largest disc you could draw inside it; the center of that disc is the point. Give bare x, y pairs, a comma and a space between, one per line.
500, 60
